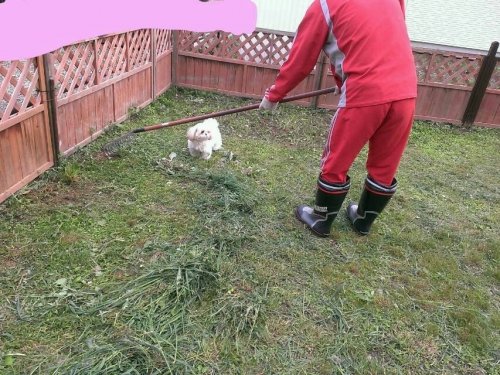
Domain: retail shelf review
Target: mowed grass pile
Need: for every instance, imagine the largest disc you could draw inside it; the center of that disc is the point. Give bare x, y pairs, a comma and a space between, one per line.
152, 262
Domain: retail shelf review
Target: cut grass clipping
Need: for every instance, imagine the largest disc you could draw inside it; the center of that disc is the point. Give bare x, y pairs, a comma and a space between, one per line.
140, 320
153, 262
143, 323
143, 320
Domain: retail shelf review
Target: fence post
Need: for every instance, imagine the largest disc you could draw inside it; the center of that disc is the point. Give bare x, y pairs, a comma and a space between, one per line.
96, 63
175, 54
47, 86
153, 64
317, 78
128, 66
479, 89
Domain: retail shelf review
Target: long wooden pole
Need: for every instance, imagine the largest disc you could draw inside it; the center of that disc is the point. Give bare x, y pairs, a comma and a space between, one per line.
47, 84
479, 89
231, 111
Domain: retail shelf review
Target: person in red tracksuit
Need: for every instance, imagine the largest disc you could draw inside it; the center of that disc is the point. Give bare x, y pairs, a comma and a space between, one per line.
372, 62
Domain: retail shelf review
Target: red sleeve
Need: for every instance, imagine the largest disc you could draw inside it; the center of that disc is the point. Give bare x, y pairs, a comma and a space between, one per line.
402, 3
309, 40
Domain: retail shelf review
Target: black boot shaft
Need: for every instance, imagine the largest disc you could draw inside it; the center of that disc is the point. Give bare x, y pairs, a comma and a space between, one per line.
329, 199
373, 200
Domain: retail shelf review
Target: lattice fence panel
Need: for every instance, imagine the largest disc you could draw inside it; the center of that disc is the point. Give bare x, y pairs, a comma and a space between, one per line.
74, 68
202, 43
282, 44
454, 70
422, 60
271, 49
139, 48
18, 87
258, 47
163, 41
111, 56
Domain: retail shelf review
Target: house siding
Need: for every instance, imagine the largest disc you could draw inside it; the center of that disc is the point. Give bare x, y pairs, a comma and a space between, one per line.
279, 14
466, 23
470, 24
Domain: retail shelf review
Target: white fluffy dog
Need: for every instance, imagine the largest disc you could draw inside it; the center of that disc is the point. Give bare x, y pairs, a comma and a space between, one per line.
203, 138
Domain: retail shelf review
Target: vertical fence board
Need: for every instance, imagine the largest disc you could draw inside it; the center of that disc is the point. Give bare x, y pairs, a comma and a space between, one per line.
85, 74
445, 79
181, 70
455, 103
424, 101
198, 74
233, 77
489, 111
98, 81
6, 156
205, 78
109, 75
29, 150
23, 154
228, 77
61, 129
82, 119
80, 123
134, 91
191, 72
41, 136
12, 157
3, 170
163, 73
220, 76
21, 151
250, 81
24, 151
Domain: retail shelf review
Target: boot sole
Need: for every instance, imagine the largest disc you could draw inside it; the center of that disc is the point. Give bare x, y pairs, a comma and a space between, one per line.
297, 215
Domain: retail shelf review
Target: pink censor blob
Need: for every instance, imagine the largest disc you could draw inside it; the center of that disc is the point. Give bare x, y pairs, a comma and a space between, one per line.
30, 28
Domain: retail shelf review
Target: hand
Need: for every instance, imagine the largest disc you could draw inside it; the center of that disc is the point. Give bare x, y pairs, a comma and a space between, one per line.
266, 103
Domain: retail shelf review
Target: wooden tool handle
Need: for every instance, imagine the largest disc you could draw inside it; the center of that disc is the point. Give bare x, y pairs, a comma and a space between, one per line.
231, 111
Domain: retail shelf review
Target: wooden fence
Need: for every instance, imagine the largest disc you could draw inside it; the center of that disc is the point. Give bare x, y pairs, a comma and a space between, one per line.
58, 102
53, 104
98, 81
245, 65
25, 141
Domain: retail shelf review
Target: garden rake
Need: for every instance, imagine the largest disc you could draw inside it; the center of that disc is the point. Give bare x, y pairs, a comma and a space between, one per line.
114, 146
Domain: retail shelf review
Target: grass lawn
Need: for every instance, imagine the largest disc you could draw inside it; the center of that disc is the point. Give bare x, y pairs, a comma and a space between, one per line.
152, 262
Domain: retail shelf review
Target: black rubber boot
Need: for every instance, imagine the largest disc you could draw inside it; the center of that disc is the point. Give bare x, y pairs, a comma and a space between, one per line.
329, 198
373, 200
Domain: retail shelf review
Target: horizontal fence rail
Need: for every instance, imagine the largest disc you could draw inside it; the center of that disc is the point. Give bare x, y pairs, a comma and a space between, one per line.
445, 83
245, 65
53, 104
25, 142
86, 87
241, 65
98, 81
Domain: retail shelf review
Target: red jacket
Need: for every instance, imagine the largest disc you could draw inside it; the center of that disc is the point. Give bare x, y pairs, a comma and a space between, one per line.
368, 46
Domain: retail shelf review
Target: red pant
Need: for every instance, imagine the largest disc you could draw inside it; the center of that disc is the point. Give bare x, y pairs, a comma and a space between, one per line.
385, 126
